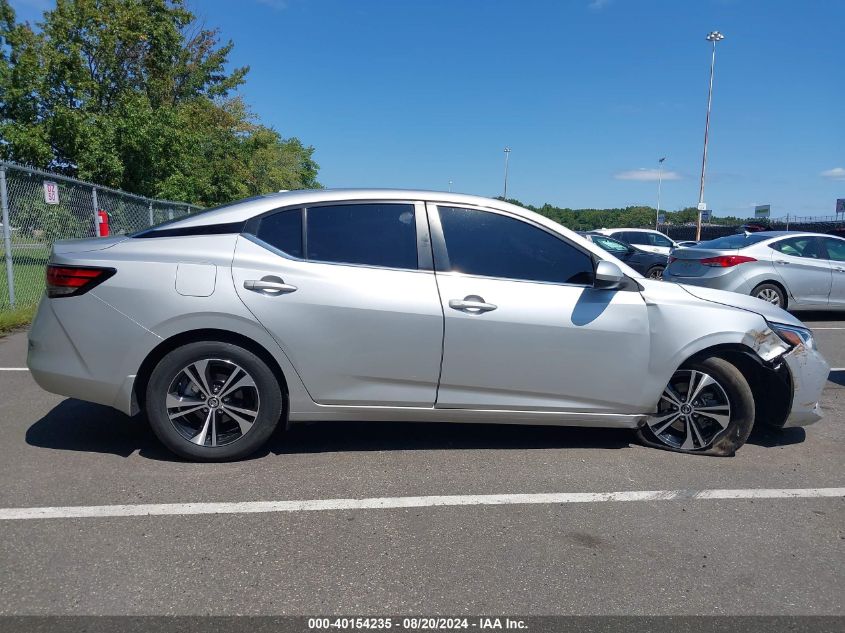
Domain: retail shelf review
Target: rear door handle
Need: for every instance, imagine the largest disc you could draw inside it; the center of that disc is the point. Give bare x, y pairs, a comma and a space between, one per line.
269, 285
472, 304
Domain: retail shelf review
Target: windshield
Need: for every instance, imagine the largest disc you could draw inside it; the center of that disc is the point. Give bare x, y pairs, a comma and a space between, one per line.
734, 241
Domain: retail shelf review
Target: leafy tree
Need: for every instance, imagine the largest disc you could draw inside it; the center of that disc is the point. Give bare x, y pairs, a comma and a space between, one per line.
134, 94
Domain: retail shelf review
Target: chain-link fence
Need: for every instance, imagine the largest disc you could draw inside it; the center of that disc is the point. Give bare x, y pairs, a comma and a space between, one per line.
39, 207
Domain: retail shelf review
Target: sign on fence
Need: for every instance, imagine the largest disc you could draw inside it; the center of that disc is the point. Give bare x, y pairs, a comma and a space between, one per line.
762, 210
840, 205
51, 192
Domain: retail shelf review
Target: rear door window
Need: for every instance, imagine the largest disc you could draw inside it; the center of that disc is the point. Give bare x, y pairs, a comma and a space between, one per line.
370, 234
635, 237
806, 246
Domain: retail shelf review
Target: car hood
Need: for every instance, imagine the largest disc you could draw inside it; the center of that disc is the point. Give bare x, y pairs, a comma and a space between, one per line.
743, 302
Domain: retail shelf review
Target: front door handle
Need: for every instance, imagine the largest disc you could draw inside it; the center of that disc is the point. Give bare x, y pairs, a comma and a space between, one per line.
269, 285
471, 304
780, 261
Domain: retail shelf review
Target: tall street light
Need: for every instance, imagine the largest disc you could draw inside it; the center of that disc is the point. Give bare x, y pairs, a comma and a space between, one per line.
507, 156
659, 180
713, 36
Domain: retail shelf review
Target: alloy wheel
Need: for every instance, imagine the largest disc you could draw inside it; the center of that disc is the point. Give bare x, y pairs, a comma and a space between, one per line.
693, 411
656, 273
770, 295
212, 402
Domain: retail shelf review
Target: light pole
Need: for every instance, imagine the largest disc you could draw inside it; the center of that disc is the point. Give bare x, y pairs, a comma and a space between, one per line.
659, 180
450, 186
713, 36
507, 156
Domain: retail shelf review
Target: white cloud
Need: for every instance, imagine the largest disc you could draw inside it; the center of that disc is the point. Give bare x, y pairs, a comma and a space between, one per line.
646, 174
837, 173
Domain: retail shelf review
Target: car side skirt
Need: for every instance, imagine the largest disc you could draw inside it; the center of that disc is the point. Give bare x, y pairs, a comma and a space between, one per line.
325, 413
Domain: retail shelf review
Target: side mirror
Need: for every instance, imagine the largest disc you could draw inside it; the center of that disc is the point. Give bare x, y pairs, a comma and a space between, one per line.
608, 276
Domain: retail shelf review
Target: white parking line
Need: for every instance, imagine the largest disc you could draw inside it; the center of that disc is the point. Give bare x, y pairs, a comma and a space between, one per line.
383, 503
14, 368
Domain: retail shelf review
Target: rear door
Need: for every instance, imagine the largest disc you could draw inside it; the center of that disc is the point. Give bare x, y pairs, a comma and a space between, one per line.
348, 291
525, 329
835, 249
802, 264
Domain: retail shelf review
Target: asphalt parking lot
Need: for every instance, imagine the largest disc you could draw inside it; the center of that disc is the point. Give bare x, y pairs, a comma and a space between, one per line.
679, 555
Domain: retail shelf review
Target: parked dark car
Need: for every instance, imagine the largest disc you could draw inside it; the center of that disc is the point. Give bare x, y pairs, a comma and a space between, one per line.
647, 264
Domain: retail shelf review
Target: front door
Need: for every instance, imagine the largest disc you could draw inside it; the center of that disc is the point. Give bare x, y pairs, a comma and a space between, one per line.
524, 328
341, 289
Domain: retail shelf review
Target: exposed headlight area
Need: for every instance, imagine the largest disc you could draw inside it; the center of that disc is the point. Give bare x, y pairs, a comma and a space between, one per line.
793, 335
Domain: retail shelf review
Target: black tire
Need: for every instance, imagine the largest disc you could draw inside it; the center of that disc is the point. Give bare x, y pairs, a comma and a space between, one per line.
770, 290
655, 272
266, 387
742, 411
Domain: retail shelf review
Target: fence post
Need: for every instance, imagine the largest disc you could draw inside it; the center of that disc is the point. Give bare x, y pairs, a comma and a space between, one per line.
7, 236
151, 213
96, 209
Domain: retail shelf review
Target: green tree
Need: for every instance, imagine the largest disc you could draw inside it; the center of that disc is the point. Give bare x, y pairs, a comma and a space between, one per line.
134, 94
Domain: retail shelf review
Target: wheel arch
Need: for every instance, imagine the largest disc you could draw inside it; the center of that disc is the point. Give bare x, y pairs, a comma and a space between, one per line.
206, 334
770, 381
787, 296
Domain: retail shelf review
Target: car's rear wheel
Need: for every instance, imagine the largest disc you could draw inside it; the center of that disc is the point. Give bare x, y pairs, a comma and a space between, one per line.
706, 408
213, 401
655, 272
771, 294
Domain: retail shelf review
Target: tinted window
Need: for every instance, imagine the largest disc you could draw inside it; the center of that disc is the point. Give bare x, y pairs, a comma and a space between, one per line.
284, 231
739, 240
798, 247
659, 240
835, 249
371, 234
633, 237
493, 245
610, 245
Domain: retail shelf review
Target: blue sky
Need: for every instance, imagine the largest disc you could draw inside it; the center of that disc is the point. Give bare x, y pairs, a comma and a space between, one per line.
587, 93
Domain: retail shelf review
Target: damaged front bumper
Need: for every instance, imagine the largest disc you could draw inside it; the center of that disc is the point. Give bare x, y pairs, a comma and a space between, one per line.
808, 371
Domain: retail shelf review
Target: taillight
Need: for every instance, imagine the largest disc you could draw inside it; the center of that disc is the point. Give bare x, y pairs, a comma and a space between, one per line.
672, 259
70, 281
726, 261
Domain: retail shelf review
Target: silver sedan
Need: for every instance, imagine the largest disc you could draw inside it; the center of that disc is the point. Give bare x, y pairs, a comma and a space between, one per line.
789, 269
408, 306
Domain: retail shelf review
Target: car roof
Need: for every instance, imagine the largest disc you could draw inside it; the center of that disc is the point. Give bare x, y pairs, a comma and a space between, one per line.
244, 209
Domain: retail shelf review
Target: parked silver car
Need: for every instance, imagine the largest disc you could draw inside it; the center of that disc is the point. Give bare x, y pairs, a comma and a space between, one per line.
786, 268
407, 306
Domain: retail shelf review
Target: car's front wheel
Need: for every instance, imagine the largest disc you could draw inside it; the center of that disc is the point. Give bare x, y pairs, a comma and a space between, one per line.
213, 401
707, 407
655, 272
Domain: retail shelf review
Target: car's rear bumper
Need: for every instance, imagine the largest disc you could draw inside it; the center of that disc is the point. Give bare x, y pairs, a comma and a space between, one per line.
809, 371
731, 280
112, 344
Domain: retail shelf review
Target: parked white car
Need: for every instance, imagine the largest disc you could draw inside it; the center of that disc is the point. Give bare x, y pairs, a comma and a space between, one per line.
644, 239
